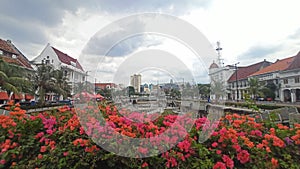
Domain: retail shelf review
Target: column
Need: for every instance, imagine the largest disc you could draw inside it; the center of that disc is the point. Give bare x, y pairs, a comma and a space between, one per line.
281, 95
293, 95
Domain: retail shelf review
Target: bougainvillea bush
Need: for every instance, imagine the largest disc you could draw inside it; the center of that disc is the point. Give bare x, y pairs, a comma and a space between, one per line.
56, 139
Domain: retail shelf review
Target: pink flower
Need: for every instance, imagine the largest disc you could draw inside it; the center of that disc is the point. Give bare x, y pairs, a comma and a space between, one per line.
143, 150
243, 156
43, 149
219, 165
145, 164
40, 156
215, 144
219, 152
184, 145
66, 153
228, 161
237, 147
39, 135
2, 162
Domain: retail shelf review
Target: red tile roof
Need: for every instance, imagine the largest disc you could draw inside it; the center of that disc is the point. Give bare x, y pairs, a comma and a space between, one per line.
3, 96
6, 47
295, 63
104, 85
244, 72
277, 66
11, 60
64, 58
17, 96
20, 60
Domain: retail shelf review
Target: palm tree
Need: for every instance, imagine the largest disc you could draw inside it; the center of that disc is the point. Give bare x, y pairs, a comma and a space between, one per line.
255, 87
42, 81
61, 85
48, 80
12, 79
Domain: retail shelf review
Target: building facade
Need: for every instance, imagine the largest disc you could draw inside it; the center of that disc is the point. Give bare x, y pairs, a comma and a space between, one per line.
220, 75
135, 82
289, 80
10, 54
71, 67
238, 82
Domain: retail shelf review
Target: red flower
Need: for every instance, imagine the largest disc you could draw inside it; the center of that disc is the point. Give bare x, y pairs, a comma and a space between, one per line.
43, 149
2, 162
215, 144
145, 164
229, 162
184, 145
66, 153
243, 156
40, 156
274, 163
219, 165
237, 147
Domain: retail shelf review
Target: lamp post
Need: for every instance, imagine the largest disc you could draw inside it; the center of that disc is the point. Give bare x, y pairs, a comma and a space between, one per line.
236, 81
86, 79
95, 86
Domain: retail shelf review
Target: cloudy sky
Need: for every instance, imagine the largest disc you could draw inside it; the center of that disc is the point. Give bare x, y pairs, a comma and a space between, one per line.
249, 30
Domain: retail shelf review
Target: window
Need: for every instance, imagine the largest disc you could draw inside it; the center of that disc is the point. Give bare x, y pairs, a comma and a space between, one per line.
66, 73
14, 56
285, 81
297, 80
1, 52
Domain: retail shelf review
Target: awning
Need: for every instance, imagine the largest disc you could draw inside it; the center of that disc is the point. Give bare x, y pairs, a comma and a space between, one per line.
3, 96
17, 96
28, 97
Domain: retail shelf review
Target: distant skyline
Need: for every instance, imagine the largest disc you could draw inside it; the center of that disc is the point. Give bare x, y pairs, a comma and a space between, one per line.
249, 31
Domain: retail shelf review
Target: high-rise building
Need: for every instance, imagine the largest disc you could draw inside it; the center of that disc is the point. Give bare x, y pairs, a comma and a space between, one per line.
135, 81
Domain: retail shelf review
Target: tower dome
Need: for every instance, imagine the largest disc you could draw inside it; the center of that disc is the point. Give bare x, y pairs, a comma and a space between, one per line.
213, 65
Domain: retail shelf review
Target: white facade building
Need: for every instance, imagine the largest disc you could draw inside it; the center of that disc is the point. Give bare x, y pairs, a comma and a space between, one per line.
220, 75
290, 81
59, 60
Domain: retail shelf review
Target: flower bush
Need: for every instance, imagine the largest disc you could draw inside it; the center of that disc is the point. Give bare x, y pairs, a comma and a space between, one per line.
60, 139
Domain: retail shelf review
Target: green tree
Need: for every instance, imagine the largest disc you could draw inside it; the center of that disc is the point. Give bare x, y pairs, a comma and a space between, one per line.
204, 90
255, 87
42, 80
106, 92
59, 82
46, 79
14, 78
269, 90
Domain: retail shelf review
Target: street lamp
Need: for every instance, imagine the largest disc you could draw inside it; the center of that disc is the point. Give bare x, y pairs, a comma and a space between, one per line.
236, 81
86, 79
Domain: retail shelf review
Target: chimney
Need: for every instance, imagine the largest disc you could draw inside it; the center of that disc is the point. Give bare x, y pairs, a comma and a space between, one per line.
8, 41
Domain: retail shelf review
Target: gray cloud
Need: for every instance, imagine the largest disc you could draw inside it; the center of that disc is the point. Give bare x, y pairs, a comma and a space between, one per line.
255, 53
169, 6
22, 34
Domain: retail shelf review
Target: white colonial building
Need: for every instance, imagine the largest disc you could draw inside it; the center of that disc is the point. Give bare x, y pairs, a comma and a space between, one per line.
59, 60
220, 75
289, 80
